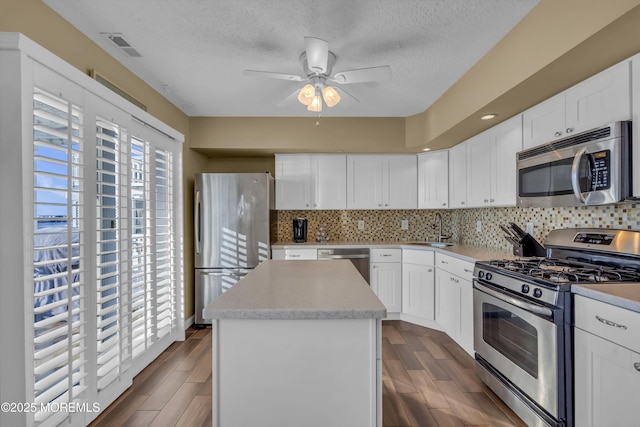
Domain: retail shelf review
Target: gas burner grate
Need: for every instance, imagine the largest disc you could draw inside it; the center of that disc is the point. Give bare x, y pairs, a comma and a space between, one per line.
558, 271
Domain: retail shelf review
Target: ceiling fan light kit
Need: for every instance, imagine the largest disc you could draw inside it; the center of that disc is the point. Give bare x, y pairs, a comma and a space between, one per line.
317, 63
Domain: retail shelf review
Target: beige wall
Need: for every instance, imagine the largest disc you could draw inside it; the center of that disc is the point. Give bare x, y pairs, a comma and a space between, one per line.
267, 135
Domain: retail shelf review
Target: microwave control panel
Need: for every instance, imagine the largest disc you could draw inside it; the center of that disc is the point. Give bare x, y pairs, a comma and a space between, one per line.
600, 163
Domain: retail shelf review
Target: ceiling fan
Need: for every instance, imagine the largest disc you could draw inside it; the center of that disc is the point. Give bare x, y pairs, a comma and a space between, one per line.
317, 63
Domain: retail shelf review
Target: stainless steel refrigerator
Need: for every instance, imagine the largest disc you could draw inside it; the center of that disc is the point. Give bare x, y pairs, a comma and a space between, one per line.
233, 227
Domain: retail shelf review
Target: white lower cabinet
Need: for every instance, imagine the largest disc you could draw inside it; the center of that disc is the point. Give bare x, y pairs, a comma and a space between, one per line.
386, 278
606, 370
454, 299
418, 284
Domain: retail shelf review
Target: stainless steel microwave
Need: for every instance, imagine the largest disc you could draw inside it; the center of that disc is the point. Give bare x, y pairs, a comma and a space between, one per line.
589, 168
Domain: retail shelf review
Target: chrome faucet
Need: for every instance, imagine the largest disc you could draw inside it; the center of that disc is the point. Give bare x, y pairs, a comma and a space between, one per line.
441, 236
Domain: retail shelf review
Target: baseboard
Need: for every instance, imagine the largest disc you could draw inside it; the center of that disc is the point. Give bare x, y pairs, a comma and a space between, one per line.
189, 322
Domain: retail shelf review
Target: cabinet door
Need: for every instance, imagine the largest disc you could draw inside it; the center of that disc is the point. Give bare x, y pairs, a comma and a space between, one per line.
544, 122
386, 283
364, 182
606, 382
447, 302
478, 170
458, 176
433, 180
635, 123
400, 180
293, 189
599, 100
465, 326
418, 290
507, 141
329, 181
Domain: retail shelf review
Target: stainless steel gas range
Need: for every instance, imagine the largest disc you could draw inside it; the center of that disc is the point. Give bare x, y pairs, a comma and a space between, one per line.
523, 317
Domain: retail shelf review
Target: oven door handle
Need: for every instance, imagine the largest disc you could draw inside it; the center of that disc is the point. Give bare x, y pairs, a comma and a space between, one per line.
531, 308
575, 169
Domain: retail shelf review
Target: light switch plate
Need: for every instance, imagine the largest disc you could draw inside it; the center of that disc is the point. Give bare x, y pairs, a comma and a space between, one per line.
479, 226
360, 224
405, 224
530, 228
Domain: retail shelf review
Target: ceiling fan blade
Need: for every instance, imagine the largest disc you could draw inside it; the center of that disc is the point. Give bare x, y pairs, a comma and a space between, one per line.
289, 100
270, 75
362, 75
317, 54
343, 92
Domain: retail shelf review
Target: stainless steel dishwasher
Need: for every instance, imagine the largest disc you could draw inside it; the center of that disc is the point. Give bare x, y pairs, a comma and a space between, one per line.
358, 256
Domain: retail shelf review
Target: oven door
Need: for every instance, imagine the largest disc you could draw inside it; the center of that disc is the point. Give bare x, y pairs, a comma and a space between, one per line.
518, 339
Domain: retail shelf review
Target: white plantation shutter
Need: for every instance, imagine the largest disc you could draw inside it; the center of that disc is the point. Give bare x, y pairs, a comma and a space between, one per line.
59, 347
112, 348
92, 230
165, 243
141, 313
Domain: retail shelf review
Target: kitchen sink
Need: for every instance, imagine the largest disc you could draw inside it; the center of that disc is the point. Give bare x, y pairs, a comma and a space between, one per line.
433, 244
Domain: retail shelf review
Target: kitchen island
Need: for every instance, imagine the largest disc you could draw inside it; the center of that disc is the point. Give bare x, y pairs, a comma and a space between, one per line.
297, 343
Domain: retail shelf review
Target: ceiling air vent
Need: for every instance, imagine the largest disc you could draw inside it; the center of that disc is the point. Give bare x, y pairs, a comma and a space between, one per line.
123, 44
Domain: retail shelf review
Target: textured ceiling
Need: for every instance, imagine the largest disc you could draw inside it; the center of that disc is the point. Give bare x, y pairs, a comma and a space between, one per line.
194, 51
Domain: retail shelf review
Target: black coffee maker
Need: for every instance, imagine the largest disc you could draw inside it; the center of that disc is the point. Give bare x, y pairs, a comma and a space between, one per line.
300, 230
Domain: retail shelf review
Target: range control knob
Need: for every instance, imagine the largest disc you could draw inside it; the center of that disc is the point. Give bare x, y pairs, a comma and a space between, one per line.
489, 276
481, 274
525, 289
537, 292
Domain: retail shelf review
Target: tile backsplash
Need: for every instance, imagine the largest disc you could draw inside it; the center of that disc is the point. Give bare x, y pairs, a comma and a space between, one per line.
385, 225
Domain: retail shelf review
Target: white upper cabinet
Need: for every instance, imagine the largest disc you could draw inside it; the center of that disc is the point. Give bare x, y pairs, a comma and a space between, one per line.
599, 100
433, 180
458, 176
635, 124
491, 165
311, 181
387, 181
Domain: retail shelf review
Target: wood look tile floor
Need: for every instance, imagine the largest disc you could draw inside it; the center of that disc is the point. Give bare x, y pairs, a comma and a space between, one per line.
428, 380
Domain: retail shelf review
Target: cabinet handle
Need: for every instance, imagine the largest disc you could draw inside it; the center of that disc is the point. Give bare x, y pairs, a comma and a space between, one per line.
462, 203
610, 323
569, 130
294, 256
429, 270
379, 205
386, 204
637, 366
315, 205
557, 134
443, 262
444, 204
386, 255
466, 270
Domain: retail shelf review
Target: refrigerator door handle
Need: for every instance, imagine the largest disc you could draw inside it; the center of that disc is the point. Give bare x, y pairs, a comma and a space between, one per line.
198, 225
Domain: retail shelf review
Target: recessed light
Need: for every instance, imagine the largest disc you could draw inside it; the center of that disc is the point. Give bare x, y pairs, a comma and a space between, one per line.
426, 149
488, 116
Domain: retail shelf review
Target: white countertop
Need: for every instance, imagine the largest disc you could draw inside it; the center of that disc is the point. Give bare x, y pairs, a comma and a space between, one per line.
467, 252
299, 290
624, 295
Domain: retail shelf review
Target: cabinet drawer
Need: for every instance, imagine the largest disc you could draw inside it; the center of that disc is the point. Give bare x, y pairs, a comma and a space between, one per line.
298, 254
607, 321
411, 256
385, 255
455, 266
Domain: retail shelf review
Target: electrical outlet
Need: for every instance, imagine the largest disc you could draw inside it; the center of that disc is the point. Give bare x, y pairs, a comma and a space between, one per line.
530, 228
360, 224
479, 226
404, 224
